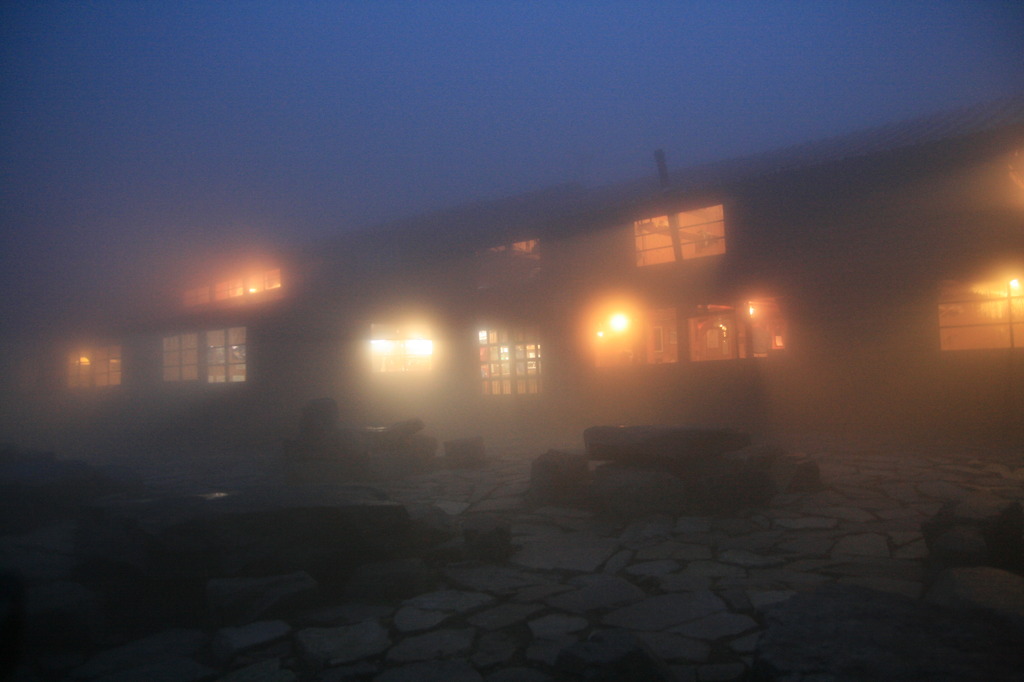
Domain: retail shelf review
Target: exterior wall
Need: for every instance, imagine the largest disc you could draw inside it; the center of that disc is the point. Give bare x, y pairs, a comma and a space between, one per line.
853, 253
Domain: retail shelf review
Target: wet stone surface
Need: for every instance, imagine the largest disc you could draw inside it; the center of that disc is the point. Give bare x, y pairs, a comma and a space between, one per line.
694, 593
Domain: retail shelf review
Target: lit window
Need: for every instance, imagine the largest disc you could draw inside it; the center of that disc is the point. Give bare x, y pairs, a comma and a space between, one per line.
107, 366
513, 263
662, 336
401, 348
264, 281
272, 279
510, 361
79, 369
256, 283
99, 366
181, 357
715, 335
680, 236
767, 327
615, 338
627, 336
225, 355
981, 315
230, 289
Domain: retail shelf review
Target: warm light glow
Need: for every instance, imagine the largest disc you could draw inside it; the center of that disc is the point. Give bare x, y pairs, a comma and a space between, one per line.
981, 315
419, 347
94, 367
751, 310
510, 361
680, 236
612, 328
254, 283
401, 347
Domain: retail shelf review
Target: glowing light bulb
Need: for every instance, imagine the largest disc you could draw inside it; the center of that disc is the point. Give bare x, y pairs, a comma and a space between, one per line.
619, 322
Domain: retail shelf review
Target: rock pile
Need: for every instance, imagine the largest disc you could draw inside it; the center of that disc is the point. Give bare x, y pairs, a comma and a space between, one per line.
327, 451
670, 470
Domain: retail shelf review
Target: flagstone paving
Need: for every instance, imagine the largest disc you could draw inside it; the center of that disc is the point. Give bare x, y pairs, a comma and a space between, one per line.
693, 588
696, 588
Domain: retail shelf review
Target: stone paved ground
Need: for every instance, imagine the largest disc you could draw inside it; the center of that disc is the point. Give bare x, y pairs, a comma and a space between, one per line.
693, 588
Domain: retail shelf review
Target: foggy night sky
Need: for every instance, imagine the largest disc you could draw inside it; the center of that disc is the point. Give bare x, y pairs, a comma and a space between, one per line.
133, 128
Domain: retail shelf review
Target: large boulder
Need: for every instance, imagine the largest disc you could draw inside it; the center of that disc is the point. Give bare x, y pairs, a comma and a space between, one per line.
679, 450
979, 530
750, 477
327, 451
629, 492
849, 634
673, 448
239, 601
724, 482
980, 588
324, 531
323, 450
38, 488
558, 476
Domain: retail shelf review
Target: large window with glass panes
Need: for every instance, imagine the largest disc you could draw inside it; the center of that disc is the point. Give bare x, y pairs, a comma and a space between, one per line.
509, 360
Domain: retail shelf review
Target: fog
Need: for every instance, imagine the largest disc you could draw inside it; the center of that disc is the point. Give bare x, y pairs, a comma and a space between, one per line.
149, 147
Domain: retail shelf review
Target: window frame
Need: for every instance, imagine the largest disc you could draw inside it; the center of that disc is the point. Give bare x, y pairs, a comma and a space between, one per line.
212, 356
98, 366
509, 264
978, 300
403, 358
669, 238
510, 360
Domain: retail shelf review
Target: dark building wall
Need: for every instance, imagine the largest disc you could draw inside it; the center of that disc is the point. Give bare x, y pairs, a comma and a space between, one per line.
853, 251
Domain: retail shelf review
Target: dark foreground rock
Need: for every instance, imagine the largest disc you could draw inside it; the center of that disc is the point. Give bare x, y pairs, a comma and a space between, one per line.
980, 588
326, 451
629, 492
979, 530
559, 476
611, 655
850, 634
675, 470
37, 488
673, 448
258, 532
233, 557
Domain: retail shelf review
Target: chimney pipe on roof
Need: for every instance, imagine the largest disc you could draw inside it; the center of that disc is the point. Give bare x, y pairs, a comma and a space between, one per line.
659, 158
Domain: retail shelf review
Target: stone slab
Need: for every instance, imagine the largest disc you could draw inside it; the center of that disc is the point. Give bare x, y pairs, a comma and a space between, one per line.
581, 552
664, 611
